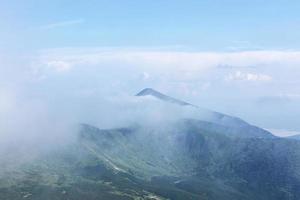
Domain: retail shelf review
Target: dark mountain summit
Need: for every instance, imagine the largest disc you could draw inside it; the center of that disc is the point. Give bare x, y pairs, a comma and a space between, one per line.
161, 96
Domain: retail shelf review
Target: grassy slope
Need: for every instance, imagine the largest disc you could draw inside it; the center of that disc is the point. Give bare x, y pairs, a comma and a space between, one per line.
186, 162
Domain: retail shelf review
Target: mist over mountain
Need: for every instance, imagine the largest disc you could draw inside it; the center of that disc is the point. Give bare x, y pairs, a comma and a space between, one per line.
149, 100
169, 149
237, 126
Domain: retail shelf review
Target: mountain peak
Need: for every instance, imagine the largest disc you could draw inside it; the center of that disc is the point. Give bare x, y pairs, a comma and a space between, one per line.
161, 96
148, 91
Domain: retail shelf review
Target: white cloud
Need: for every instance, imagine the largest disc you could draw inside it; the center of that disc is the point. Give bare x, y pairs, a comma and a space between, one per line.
7, 100
62, 24
145, 76
147, 59
170, 60
75, 80
240, 76
170, 70
59, 65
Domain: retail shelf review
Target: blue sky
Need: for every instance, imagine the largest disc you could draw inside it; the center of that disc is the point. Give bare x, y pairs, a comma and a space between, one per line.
202, 25
237, 57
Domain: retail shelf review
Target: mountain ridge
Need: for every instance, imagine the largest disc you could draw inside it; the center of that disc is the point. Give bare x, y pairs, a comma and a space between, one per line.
161, 96
217, 157
210, 116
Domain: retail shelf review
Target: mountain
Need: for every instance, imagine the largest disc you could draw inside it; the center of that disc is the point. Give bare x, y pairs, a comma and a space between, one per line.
230, 125
184, 159
294, 137
158, 95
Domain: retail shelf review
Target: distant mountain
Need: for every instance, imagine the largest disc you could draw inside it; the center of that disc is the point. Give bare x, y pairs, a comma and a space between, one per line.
218, 158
